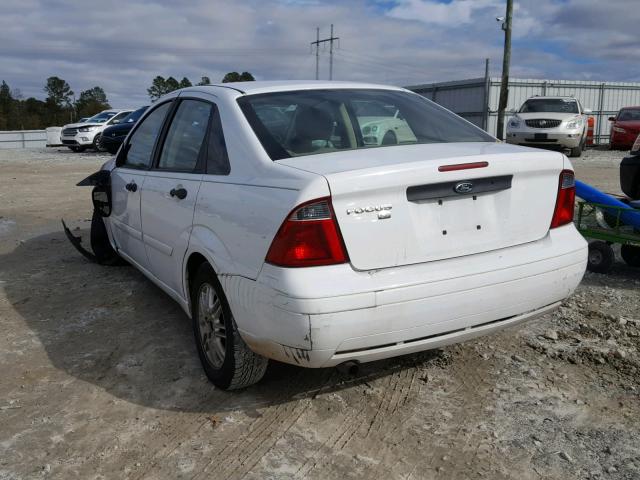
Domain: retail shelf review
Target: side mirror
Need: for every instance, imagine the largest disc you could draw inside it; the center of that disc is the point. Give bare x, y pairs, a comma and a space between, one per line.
612, 119
115, 122
587, 111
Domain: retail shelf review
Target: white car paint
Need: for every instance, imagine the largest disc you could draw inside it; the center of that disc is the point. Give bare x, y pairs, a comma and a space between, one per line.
408, 286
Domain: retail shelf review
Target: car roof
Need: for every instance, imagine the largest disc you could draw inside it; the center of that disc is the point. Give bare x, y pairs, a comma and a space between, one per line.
255, 87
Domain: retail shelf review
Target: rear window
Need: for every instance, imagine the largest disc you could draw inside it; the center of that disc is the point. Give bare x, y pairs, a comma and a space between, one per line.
306, 122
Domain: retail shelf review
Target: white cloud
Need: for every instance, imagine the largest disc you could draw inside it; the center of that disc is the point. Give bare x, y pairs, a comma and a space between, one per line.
122, 46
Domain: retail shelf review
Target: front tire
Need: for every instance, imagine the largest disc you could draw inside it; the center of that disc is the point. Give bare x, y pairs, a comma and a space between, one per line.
389, 138
96, 143
601, 257
227, 360
577, 151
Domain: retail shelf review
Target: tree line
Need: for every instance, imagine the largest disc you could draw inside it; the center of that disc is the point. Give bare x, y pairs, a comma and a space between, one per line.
161, 86
61, 106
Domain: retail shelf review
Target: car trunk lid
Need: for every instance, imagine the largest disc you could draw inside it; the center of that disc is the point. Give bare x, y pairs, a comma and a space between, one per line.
412, 204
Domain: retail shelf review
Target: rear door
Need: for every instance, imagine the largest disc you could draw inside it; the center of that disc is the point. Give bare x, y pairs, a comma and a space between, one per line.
126, 184
171, 188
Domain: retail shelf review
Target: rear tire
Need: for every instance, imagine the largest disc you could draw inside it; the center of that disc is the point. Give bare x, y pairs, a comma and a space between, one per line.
227, 360
631, 255
601, 257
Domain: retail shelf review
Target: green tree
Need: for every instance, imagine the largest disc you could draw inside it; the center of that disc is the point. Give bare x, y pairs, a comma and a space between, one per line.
59, 92
7, 107
185, 82
161, 86
91, 102
204, 81
238, 77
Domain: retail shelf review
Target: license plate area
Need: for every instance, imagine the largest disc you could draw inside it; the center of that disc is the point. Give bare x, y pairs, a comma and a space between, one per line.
540, 136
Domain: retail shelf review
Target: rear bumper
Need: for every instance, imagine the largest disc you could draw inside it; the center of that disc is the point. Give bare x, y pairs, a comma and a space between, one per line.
366, 316
553, 140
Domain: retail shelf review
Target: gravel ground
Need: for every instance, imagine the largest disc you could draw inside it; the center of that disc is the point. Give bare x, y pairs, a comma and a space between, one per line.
101, 378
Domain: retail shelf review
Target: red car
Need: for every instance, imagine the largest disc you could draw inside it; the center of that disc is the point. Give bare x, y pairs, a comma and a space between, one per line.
625, 128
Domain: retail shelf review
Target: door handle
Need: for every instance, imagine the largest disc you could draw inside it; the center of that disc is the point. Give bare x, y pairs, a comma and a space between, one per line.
180, 193
132, 187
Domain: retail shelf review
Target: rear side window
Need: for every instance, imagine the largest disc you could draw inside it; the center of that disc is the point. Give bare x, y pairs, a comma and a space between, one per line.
185, 136
290, 124
143, 139
217, 157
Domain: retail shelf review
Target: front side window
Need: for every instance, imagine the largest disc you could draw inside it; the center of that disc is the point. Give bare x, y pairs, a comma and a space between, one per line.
185, 136
140, 145
550, 105
117, 117
290, 124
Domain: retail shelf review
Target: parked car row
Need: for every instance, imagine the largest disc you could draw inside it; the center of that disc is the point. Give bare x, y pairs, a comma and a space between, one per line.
89, 132
561, 123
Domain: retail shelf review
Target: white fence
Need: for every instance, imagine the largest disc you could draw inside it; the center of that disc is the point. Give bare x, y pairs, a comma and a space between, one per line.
477, 99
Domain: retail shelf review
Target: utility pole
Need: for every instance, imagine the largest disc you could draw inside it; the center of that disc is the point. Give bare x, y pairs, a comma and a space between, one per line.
317, 53
506, 60
317, 43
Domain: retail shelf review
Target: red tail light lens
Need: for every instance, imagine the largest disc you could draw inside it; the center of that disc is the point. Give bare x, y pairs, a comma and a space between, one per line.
309, 237
565, 201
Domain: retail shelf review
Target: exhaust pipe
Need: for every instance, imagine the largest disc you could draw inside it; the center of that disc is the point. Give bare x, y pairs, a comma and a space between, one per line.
350, 367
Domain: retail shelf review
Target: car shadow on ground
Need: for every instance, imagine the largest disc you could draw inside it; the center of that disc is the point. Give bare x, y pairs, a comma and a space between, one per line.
113, 328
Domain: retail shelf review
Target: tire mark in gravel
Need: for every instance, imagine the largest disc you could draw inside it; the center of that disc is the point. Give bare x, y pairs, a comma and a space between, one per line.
185, 425
238, 457
373, 418
472, 396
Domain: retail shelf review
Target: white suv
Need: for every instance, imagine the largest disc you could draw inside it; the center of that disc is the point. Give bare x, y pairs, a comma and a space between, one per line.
550, 122
263, 211
79, 136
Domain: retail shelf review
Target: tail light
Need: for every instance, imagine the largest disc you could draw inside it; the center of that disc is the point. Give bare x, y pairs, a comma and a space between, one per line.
565, 201
309, 237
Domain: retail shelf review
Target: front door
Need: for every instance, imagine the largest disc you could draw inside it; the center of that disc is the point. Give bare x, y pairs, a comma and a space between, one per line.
126, 186
170, 191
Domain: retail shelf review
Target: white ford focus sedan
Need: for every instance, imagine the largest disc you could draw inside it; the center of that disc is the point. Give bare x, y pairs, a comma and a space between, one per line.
285, 232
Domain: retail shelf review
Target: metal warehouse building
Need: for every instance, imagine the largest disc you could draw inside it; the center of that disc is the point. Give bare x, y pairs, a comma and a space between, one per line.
477, 99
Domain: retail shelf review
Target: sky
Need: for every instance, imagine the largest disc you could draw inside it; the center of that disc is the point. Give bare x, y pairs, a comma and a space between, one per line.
122, 45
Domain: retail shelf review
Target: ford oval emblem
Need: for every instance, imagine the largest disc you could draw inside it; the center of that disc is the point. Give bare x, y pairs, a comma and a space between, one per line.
463, 187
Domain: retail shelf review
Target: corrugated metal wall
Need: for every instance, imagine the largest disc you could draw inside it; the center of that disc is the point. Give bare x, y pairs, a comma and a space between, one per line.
477, 99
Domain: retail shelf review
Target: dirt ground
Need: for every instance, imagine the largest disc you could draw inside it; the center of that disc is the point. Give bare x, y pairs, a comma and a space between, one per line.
100, 377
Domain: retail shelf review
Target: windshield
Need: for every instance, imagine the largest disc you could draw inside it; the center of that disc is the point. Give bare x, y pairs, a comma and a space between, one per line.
550, 105
290, 124
101, 117
134, 116
629, 115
